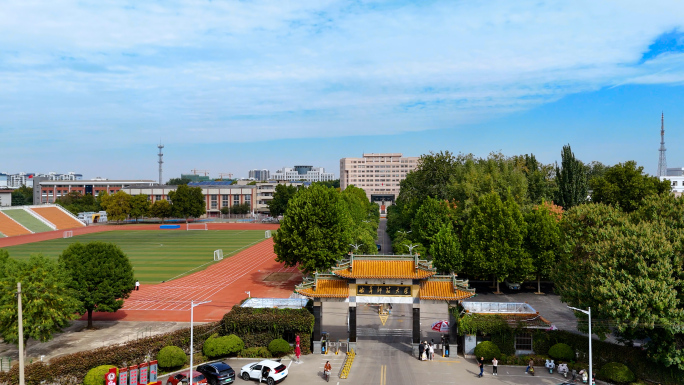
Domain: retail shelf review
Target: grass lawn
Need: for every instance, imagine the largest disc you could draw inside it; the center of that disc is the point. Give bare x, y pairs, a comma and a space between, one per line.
156, 255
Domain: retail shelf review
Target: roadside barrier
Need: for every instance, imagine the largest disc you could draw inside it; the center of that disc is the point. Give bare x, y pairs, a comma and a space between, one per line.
347, 364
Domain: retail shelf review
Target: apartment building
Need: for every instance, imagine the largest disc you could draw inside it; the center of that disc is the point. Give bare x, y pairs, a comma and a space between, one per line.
303, 173
46, 190
378, 175
26, 178
259, 174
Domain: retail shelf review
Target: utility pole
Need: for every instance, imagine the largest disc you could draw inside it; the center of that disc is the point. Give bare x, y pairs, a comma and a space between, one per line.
21, 336
192, 329
662, 163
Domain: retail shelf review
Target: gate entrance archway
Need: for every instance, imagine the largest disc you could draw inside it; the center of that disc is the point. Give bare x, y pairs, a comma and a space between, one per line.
344, 296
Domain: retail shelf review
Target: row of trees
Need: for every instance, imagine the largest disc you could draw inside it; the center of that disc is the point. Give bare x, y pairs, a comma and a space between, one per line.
609, 237
86, 277
321, 224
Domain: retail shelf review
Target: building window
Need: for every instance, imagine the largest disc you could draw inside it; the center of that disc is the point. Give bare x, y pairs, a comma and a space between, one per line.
236, 200
523, 341
157, 197
674, 183
225, 200
248, 198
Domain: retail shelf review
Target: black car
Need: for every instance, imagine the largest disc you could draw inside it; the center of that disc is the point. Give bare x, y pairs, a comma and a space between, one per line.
217, 373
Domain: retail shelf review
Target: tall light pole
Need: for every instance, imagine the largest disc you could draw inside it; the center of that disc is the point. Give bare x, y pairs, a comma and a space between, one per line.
587, 312
355, 246
192, 329
21, 335
411, 247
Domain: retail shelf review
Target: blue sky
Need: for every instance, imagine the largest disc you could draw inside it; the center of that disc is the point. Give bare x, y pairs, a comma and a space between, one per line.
92, 86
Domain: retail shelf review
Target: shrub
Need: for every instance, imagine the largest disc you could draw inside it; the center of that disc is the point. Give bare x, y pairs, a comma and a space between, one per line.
95, 376
171, 357
617, 372
222, 346
279, 347
488, 350
256, 352
562, 352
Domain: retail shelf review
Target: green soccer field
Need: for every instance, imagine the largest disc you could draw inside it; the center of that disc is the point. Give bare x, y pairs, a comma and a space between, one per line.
156, 255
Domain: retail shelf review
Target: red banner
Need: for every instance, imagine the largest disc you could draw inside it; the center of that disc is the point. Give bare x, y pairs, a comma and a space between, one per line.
110, 377
143, 374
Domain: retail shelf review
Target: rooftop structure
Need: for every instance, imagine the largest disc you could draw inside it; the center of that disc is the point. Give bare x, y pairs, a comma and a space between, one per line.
279, 303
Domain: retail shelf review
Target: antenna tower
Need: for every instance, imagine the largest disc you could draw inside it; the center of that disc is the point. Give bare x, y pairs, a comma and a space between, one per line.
161, 155
662, 163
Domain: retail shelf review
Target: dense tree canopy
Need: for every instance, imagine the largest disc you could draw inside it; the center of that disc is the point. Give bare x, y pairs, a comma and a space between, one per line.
101, 275
571, 179
140, 206
313, 234
23, 196
117, 205
282, 195
178, 181
446, 250
75, 202
625, 186
188, 202
161, 209
542, 240
48, 302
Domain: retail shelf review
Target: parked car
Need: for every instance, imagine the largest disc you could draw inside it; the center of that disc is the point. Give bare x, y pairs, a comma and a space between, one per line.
217, 373
512, 285
268, 371
182, 378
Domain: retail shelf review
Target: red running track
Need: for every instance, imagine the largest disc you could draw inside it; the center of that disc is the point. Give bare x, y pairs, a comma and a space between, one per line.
223, 283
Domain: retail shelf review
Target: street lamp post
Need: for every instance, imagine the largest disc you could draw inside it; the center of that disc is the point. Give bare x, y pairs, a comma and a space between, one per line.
192, 329
587, 312
355, 246
21, 335
411, 247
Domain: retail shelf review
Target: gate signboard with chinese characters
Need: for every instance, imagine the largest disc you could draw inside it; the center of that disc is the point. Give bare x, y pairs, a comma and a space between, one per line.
384, 290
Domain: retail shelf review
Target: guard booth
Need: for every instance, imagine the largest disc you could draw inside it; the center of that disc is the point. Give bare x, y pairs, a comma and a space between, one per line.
384, 280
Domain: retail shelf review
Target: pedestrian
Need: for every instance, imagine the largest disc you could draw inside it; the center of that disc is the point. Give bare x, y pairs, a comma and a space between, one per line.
137, 285
529, 365
432, 351
481, 365
421, 349
494, 366
425, 350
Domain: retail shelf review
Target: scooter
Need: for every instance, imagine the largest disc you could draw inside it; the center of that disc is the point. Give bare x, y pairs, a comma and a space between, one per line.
563, 369
532, 370
550, 365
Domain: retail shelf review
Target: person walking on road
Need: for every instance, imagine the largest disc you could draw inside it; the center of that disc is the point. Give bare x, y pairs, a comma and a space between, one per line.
481, 365
137, 285
529, 365
432, 352
421, 350
494, 366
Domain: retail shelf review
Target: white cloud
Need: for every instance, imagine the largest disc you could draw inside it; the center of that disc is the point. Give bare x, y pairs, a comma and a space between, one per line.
205, 70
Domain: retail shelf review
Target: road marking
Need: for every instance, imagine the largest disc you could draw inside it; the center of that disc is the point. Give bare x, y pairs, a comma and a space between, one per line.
383, 318
383, 375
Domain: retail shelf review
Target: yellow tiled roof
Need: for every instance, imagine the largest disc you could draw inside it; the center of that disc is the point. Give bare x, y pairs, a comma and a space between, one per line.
327, 288
442, 290
383, 269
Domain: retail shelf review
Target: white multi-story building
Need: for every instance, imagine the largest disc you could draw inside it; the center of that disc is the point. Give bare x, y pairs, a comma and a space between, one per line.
378, 175
259, 174
26, 178
676, 178
303, 173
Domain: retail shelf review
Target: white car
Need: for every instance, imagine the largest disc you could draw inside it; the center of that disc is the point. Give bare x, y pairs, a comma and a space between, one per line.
268, 371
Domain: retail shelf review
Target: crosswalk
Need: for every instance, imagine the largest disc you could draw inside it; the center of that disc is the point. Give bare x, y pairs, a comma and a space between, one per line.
374, 332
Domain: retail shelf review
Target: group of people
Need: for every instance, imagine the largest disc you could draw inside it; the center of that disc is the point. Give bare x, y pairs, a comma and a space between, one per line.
495, 366
426, 351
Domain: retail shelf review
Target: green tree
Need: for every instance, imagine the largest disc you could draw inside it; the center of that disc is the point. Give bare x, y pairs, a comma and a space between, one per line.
140, 206
539, 183
493, 240
432, 215
446, 250
118, 205
432, 178
405, 246
331, 183
23, 196
75, 202
161, 209
313, 233
187, 202
571, 179
625, 185
178, 181
48, 303
101, 274
542, 241
364, 217
278, 205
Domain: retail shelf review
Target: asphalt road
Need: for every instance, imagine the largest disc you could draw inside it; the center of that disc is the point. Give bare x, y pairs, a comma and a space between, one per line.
383, 238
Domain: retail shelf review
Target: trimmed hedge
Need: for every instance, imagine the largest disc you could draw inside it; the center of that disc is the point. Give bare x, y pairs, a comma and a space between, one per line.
256, 352
279, 347
258, 327
72, 368
95, 376
563, 352
222, 346
171, 357
488, 350
617, 372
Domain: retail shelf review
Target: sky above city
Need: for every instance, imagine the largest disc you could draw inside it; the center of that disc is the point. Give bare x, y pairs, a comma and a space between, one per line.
227, 86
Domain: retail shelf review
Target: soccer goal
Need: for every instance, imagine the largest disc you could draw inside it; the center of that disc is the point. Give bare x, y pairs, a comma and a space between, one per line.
218, 255
196, 226
268, 234
68, 234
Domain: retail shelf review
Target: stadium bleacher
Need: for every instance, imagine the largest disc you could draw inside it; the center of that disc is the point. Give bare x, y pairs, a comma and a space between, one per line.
27, 220
9, 227
57, 217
